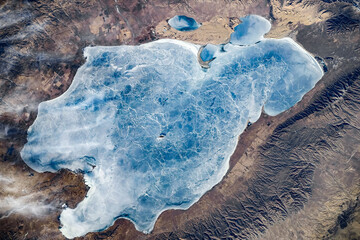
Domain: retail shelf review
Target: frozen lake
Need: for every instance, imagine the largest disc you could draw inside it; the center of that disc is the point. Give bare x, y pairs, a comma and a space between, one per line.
183, 23
152, 130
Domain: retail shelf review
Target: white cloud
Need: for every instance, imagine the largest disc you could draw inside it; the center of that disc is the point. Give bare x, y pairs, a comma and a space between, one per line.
26, 205
14, 198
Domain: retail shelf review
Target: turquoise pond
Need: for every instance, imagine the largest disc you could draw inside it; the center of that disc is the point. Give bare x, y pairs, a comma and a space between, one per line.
152, 130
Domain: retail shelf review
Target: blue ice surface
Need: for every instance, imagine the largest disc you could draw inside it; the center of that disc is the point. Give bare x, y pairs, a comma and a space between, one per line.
158, 128
183, 23
251, 30
209, 52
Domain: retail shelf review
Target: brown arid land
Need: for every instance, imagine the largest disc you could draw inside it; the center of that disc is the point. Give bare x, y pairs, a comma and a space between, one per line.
292, 176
